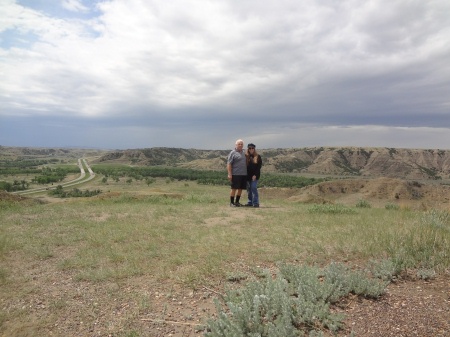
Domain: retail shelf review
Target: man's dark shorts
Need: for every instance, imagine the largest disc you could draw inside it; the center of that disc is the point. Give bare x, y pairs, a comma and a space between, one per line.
239, 182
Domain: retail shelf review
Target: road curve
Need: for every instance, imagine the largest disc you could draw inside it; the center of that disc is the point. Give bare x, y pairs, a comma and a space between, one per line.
81, 179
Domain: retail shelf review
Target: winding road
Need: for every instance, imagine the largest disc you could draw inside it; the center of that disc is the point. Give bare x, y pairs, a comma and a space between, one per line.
81, 179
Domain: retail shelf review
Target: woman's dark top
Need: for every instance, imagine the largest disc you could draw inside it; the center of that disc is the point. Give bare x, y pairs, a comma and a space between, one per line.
254, 169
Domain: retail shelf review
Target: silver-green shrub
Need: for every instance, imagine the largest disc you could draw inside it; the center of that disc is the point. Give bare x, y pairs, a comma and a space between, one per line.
391, 206
426, 274
386, 269
295, 303
436, 218
331, 209
363, 204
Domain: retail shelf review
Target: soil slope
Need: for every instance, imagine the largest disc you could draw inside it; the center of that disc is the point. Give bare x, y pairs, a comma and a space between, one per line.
378, 192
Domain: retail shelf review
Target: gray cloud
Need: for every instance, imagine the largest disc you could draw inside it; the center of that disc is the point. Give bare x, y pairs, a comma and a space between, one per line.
174, 73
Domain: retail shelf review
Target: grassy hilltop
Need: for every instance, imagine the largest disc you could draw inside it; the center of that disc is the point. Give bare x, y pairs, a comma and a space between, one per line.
148, 255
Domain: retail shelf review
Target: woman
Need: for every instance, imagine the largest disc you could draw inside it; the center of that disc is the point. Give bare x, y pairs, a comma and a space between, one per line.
254, 163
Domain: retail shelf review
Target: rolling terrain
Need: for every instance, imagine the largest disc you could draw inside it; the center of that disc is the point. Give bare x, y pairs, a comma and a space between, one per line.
148, 259
416, 178
417, 164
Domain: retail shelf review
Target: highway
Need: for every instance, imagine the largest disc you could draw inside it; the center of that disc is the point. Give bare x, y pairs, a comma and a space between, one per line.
81, 179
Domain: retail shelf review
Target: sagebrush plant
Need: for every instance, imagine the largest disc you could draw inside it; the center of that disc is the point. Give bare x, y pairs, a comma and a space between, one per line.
295, 302
436, 218
385, 269
236, 276
363, 204
331, 209
426, 274
391, 206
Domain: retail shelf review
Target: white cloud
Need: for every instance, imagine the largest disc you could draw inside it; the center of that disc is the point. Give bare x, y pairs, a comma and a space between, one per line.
74, 5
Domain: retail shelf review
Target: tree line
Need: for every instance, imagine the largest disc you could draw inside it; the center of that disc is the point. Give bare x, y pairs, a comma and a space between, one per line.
202, 177
45, 175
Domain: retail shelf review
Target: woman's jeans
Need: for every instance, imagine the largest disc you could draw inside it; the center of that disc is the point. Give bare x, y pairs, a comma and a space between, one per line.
252, 192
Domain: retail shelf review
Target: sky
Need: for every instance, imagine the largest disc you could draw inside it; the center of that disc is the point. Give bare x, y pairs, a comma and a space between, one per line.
128, 74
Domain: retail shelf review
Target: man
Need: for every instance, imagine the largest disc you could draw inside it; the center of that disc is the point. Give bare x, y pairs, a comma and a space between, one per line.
237, 173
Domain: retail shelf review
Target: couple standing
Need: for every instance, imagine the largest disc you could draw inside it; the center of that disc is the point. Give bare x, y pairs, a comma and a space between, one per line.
244, 170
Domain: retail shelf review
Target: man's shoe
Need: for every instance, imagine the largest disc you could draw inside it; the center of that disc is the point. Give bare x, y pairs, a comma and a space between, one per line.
255, 205
248, 205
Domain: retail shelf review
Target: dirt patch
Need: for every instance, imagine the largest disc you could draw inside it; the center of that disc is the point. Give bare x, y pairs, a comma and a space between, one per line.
409, 308
15, 198
151, 308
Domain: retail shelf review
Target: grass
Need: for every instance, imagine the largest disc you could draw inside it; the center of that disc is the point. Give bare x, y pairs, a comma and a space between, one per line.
185, 234
128, 235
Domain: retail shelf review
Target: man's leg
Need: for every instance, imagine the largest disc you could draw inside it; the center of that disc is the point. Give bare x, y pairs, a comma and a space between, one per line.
232, 193
238, 196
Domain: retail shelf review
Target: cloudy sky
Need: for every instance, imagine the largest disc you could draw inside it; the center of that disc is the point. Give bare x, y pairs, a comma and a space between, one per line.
120, 74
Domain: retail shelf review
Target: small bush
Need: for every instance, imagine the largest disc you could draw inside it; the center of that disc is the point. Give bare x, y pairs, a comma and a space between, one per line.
437, 219
74, 193
236, 277
363, 204
149, 181
391, 206
331, 209
426, 274
386, 270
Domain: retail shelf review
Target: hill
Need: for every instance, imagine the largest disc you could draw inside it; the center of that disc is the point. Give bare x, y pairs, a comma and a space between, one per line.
377, 191
419, 164
11, 153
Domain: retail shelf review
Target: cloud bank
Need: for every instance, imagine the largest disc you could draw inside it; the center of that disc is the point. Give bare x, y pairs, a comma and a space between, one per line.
128, 74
